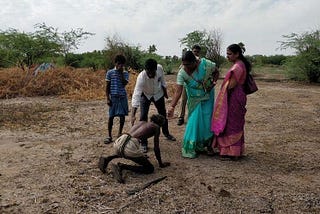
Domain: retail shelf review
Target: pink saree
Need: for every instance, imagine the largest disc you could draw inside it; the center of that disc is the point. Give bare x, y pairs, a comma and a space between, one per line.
228, 117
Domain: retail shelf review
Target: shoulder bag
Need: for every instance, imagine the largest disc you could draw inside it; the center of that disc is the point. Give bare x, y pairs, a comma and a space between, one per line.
250, 85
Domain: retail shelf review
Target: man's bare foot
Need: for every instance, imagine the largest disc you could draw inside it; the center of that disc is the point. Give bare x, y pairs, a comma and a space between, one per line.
116, 171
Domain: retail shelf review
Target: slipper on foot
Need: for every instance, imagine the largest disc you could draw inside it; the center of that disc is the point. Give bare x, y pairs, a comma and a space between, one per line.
108, 140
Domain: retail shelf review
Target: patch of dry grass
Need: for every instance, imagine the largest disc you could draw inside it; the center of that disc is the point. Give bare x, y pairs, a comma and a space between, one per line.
22, 115
68, 83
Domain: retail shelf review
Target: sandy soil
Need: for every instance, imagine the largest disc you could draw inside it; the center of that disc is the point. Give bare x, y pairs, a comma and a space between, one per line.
49, 150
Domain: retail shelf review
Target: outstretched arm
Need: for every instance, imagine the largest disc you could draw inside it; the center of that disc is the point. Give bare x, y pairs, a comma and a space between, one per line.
216, 74
214, 77
135, 101
175, 100
157, 149
133, 115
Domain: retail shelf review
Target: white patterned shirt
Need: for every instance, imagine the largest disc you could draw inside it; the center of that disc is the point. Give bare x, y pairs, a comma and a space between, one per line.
150, 87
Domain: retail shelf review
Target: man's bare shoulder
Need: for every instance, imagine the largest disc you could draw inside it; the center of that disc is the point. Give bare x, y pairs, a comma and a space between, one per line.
144, 125
139, 123
148, 125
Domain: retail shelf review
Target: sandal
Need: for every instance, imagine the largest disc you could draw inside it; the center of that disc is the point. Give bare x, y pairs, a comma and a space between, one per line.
170, 137
210, 152
180, 121
107, 140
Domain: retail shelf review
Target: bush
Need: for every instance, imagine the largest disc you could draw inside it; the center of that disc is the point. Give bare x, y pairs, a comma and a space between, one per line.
305, 67
268, 60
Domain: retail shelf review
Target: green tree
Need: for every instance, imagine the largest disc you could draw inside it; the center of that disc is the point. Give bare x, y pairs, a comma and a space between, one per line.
73, 60
24, 49
94, 60
115, 45
135, 56
152, 49
306, 64
209, 41
68, 40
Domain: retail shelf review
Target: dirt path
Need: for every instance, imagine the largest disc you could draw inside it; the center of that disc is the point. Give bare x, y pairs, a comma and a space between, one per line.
49, 150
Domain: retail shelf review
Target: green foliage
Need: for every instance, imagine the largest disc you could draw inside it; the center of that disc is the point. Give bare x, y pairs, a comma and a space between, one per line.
73, 60
267, 60
94, 60
193, 38
4, 59
306, 64
152, 49
135, 56
68, 40
25, 49
209, 41
116, 46
171, 64
165, 62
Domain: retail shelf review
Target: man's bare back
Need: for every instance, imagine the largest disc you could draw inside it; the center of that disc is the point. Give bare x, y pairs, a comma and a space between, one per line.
143, 129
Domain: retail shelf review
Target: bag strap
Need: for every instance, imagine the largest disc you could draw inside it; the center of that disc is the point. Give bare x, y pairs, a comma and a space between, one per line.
121, 149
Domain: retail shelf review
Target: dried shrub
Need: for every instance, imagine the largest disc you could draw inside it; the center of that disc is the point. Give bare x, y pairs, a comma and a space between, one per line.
69, 83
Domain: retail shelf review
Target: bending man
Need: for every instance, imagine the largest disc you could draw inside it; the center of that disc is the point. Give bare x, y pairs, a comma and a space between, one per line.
128, 146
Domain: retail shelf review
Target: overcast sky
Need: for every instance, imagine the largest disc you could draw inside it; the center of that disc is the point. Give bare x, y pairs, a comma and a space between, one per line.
259, 24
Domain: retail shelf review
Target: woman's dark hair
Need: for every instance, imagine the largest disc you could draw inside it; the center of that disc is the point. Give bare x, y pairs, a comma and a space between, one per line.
189, 57
158, 119
151, 65
235, 48
196, 47
120, 59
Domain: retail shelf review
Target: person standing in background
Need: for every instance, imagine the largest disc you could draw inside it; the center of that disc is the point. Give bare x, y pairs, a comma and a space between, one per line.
117, 100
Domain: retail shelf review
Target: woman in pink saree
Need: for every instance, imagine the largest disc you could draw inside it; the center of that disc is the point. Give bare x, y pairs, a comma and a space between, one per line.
228, 118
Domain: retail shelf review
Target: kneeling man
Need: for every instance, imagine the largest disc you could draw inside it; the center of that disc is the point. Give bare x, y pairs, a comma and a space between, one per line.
128, 146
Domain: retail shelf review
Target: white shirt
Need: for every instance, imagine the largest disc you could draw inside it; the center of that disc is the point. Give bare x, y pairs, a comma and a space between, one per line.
150, 87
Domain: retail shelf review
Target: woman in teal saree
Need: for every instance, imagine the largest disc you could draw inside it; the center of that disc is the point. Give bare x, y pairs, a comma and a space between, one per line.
198, 76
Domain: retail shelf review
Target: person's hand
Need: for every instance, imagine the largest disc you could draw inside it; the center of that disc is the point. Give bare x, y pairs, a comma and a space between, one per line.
109, 102
165, 94
164, 164
216, 74
170, 111
133, 119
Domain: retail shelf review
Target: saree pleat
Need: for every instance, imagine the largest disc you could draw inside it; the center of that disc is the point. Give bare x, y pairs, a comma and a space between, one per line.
198, 135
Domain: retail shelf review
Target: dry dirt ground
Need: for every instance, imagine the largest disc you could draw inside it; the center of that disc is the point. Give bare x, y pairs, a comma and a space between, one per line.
49, 150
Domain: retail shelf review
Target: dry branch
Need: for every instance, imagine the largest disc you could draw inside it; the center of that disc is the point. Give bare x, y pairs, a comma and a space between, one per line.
146, 185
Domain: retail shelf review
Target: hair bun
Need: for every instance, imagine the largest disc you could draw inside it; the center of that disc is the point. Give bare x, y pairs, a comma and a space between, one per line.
242, 47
